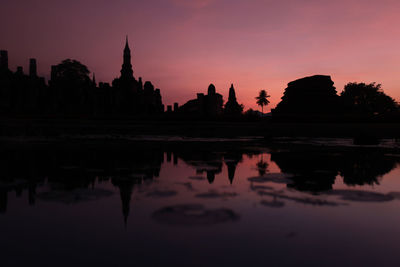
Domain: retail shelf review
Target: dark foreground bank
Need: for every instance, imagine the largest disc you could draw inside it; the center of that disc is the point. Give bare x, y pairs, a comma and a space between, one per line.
268, 129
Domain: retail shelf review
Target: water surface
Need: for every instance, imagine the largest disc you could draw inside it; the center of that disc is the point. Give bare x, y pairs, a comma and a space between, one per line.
199, 204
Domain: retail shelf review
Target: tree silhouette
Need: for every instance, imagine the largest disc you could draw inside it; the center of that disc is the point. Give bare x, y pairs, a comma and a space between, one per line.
71, 71
71, 80
367, 99
262, 99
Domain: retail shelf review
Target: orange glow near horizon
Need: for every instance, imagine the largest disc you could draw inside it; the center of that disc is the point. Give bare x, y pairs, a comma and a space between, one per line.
183, 46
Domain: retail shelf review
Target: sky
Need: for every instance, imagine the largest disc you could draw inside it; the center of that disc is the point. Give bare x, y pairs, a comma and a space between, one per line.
184, 45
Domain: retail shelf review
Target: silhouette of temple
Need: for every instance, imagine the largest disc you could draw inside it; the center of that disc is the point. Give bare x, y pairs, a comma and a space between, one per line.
310, 95
20, 93
3, 60
232, 107
71, 92
210, 105
132, 97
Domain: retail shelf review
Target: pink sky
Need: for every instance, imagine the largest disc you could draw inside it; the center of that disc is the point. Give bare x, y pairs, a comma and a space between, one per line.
184, 45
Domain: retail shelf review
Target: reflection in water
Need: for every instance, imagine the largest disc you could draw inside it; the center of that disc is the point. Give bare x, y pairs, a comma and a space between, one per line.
71, 173
363, 196
244, 191
160, 193
316, 171
274, 203
303, 200
262, 166
198, 178
279, 178
75, 196
211, 163
216, 194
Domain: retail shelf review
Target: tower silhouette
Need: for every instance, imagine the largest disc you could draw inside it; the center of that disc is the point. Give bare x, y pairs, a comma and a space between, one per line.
232, 94
3, 59
232, 107
126, 71
20, 71
32, 68
211, 89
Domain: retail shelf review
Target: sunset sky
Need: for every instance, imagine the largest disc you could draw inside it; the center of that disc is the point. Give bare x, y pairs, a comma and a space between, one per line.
184, 45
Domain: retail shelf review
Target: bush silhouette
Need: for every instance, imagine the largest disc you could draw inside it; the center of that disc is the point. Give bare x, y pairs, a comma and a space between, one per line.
367, 99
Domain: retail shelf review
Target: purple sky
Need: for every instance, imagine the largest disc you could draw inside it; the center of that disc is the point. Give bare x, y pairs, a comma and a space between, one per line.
184, 45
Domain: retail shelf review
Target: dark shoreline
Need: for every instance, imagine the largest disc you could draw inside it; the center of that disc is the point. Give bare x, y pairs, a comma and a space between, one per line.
204, 129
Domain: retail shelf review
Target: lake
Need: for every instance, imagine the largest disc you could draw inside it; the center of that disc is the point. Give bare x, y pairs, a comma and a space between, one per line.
199, 203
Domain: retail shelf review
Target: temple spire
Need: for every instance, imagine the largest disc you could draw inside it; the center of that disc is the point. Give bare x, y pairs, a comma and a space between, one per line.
94, 79
126, 71
232, 94
127, 44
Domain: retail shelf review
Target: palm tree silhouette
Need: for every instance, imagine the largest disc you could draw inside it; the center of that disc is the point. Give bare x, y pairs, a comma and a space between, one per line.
262, 99
262, 166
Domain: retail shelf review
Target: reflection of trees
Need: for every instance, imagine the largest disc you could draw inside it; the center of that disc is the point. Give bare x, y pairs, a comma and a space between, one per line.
262, 166
316, 171
366, 168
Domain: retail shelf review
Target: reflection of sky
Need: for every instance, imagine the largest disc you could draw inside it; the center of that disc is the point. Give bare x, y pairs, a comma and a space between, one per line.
183, 45
93, 231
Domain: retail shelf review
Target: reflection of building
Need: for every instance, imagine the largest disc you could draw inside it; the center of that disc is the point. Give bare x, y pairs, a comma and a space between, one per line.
231, 161
125, 186
66, 171
203, 162
311, 171
211, 163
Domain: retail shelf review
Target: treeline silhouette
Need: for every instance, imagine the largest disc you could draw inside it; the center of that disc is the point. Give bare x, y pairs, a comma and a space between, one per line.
72, 93
315, 98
